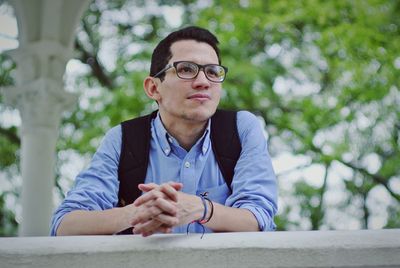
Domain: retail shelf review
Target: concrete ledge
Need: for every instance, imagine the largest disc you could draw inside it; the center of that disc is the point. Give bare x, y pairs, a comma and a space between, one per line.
367, 248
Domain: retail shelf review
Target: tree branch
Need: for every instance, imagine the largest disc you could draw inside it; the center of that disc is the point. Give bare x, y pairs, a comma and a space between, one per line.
319, 213
293, 169
376, 177
97, 68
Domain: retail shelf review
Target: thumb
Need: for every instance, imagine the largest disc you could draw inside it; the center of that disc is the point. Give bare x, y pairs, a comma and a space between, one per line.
147, 187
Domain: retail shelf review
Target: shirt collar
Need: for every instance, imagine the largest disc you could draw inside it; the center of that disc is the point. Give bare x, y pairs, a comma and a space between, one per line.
166, 140
205, 139
162, 135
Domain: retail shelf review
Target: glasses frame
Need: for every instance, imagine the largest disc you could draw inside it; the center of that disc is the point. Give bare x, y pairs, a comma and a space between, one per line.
199, 68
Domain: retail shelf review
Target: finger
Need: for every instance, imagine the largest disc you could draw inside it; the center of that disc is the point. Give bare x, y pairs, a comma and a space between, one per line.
161, 229
147, 234
160, 209
152, 195
145, 213
164, 188
177, 185
153, 210
147, 187
147, 227
164, 229
150, 186
168, 220
166, 206
169, 191
165, 219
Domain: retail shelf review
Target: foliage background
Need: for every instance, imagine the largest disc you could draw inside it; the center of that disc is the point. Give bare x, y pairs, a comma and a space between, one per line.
322, 75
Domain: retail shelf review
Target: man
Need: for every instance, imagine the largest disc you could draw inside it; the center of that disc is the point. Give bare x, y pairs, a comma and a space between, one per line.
183, 182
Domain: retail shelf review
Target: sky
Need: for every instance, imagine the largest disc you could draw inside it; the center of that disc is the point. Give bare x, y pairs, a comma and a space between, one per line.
8, 29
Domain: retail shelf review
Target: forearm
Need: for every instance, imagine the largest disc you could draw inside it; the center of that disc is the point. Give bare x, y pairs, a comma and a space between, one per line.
105, 222
224, 218
228, 219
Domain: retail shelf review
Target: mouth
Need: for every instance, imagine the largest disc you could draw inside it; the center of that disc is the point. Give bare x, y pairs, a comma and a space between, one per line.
199, 97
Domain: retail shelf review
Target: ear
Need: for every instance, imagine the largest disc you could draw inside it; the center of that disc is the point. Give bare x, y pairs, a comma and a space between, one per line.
150, 86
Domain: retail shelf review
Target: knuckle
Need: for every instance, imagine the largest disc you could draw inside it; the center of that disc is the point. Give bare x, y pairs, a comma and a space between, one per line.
153, 193
161, 203
156, 194
154, 210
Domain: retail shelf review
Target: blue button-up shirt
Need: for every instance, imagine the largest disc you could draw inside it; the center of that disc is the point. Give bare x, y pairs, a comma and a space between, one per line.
253, 185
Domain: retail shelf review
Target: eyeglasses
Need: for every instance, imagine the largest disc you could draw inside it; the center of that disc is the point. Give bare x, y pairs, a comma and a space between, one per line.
189, 70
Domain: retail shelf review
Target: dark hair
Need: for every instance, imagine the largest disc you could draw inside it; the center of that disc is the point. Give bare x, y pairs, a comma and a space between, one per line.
162, 53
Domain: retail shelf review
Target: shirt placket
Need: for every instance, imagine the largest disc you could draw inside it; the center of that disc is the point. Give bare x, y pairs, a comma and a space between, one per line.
188, 173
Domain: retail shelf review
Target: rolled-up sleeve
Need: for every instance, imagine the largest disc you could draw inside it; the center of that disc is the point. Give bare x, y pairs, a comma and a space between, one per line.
95, 188
254, 184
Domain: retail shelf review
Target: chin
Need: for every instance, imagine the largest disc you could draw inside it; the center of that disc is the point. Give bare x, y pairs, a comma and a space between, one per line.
200, 114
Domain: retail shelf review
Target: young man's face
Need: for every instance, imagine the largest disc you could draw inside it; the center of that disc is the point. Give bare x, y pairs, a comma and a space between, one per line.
197, 99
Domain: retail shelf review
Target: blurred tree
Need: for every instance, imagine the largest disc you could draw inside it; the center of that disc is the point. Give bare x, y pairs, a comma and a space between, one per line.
323, 75
9, 149
8, 224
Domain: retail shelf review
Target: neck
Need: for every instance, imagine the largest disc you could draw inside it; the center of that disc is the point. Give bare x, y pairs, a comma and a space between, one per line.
186, 132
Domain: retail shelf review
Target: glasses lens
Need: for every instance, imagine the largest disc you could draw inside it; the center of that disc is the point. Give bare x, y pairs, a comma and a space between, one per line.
186, 70
215, 73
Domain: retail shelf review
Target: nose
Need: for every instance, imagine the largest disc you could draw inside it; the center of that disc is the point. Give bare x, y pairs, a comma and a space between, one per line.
201, 81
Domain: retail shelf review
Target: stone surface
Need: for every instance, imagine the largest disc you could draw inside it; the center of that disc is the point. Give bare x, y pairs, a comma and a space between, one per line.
368, 248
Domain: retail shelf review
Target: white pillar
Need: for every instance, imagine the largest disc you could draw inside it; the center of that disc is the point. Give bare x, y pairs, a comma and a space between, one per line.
40, 104
46, 35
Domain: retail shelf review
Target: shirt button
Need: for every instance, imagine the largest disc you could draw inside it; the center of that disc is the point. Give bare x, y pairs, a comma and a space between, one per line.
166, 151
170, 140
187, 164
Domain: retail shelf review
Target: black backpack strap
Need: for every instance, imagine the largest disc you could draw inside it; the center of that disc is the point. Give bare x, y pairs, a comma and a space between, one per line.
226, 142
133, 160
134, 157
